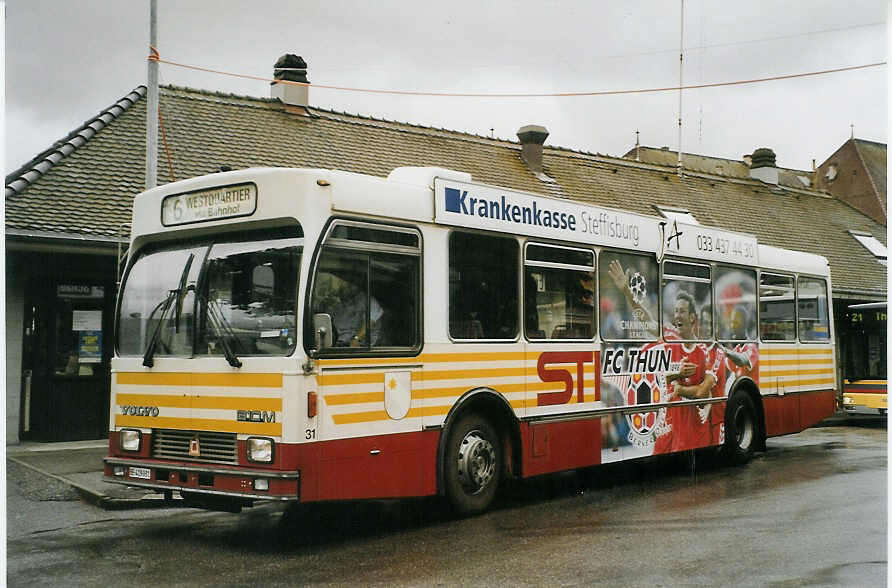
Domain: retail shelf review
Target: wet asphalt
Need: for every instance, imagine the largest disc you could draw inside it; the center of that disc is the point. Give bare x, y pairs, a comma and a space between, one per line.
809, 511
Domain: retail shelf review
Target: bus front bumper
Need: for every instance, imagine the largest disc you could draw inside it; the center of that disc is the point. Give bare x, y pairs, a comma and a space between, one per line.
852, 402
200, 479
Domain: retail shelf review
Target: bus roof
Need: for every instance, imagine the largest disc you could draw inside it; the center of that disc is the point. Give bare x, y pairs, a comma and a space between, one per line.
457, 201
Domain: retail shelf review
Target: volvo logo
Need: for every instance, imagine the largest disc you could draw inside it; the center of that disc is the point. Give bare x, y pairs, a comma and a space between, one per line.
151, 411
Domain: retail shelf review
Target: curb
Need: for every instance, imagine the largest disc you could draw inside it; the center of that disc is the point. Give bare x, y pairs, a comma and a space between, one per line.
104, 501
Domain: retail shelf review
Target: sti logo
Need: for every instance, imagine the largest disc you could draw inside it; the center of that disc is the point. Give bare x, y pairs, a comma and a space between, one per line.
562, 374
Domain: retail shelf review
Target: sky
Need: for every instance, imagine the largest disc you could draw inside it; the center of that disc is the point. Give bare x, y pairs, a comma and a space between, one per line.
67, 60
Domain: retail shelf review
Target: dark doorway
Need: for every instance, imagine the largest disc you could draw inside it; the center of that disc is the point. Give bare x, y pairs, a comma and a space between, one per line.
66, 352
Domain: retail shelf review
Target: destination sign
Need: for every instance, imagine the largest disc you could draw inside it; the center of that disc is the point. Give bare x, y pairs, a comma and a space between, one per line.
209, 205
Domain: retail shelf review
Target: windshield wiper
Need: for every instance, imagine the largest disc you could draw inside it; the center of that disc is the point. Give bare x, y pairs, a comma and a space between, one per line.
223, 330
177, 294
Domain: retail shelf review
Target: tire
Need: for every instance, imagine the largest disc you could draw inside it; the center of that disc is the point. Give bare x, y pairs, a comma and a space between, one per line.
740, 429
473, 465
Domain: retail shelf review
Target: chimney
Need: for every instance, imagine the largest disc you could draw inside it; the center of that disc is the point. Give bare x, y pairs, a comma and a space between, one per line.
532, 137
290, 68
764, 166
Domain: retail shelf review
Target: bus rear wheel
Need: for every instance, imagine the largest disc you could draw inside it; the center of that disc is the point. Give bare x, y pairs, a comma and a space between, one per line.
740, 429
473, 465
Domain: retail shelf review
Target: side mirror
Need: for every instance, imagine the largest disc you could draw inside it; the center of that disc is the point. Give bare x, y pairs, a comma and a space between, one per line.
322, 330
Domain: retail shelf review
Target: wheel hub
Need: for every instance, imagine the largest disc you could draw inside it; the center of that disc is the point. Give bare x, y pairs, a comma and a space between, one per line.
743, 426
476, 462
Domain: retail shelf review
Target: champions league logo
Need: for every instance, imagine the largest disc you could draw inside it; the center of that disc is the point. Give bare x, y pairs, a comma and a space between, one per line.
638, 287
645, 427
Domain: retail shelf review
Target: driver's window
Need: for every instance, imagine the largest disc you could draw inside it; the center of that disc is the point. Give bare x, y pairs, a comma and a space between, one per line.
341, 291
368, 281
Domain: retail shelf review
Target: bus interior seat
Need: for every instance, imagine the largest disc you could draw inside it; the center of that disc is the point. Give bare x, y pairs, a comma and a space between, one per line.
467, 329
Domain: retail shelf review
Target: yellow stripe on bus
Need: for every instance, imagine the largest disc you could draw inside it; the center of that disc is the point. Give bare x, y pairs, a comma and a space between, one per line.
456, 391
769, 385
426, 358
359, 398
183, 401
794, 350
154, 378
200, 379
160, 400
351, 378
453, 392
371, 416
380, 415
473, 356
271, 429
771, 373
465, 374
815, 361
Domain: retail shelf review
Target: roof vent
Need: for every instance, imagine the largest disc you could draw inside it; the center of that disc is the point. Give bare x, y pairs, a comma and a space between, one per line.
764, 166
532, 137
291, 68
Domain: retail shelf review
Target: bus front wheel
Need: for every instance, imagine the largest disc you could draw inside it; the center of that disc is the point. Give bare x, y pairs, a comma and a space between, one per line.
740, 429
473, 465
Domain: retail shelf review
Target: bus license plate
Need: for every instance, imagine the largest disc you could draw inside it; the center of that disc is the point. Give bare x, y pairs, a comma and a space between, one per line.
141, 473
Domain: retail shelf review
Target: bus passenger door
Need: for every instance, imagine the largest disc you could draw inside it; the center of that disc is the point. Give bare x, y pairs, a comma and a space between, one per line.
370, 426
561, 361
778, 382
367, 282
561, 387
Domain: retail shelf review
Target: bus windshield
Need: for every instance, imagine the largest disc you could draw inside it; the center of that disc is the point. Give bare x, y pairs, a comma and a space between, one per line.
225, 296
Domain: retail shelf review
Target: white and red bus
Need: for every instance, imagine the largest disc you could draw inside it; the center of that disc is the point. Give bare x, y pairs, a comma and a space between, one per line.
862, 341
310, 335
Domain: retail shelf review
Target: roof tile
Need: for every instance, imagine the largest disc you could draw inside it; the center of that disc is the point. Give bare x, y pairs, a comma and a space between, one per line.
87, 186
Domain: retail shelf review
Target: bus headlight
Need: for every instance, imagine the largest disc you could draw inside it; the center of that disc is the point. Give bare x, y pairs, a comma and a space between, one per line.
129, 439
260, 450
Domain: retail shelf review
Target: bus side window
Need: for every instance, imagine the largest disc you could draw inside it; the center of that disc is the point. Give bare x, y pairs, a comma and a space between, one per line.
811, 297
777, 313
483, 296
368, 281
559, 293
687, 301
735, 304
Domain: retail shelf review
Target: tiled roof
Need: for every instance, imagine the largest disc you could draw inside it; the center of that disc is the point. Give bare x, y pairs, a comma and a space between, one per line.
720, 166
874, 157
90, 191
43, 161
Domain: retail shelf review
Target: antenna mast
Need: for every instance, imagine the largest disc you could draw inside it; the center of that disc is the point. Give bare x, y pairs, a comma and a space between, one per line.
680, 84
